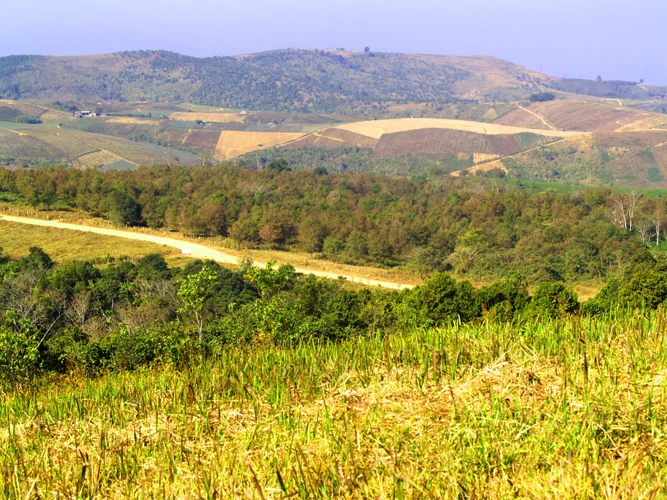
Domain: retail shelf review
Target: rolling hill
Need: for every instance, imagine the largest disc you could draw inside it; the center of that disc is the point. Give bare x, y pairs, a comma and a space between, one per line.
283, 80
398, 114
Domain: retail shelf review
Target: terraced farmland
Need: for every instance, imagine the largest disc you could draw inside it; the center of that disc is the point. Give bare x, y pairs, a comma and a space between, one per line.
70, 146
567, 114
98, 159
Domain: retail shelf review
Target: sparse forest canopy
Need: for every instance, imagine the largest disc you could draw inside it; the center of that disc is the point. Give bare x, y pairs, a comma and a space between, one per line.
473, 226
610, 89
286, 80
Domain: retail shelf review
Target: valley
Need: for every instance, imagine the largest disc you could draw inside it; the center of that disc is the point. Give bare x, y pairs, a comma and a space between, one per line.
329, 274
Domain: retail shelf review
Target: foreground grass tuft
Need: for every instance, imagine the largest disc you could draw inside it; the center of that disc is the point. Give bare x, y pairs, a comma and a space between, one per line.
557, 409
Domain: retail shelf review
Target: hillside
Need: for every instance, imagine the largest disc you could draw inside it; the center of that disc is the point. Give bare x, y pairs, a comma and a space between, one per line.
570, 140
287, 80
614, 89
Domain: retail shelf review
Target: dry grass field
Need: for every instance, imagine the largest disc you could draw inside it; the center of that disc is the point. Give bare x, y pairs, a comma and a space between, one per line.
377, 128
62, 244
232, 144
207, 117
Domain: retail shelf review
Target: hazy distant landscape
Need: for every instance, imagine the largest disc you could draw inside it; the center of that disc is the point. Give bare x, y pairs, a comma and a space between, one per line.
329, 274
299, 106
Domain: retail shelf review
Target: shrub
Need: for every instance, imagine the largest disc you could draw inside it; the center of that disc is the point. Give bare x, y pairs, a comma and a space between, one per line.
542, 97
553, 300
30, 119
440, 300
19, 356
605, 299
646, 289
505, 299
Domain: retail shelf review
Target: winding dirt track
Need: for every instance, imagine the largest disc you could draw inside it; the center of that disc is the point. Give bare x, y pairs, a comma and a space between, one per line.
195, 250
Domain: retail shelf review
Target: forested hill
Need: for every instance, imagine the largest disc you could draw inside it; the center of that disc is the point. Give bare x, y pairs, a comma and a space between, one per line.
285, 80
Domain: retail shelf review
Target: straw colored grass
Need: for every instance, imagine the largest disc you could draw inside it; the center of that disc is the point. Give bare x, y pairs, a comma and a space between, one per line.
61, 244
575, 409
207, 117
377, 128
232, 144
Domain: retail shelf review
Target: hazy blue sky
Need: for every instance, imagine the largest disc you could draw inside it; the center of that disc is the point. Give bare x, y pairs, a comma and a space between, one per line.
618, 39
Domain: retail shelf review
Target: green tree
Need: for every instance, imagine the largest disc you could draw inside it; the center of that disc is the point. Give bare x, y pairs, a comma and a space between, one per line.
123, 209
270, 281
194, 290
554, 300
19, 355
332, 248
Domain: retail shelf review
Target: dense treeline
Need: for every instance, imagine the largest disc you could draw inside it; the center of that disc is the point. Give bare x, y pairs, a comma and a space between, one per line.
478, 230
116, 314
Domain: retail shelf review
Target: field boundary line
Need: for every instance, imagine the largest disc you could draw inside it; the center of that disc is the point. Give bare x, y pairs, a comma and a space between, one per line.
539, 117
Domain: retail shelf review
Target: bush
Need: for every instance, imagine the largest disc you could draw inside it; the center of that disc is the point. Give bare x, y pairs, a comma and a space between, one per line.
553, 300
440, 300
605, 299
19, 356
542, 97
505, 299
30, 119
126, 350
646, 289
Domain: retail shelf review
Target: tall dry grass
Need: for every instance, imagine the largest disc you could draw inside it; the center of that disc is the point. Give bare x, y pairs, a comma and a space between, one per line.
572, 409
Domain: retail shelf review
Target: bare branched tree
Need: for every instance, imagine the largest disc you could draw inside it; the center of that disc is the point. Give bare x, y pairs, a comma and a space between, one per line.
622, 210
256, 186
656, 219
79, 308
645, 228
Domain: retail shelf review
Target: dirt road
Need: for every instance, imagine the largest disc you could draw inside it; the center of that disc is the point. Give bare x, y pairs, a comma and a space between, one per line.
193, 250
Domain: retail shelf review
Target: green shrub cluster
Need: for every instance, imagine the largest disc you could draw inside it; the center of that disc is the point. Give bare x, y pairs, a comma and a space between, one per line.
30, 119
121, 315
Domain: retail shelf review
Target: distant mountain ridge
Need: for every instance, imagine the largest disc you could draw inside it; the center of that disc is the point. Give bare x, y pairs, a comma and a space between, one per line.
282, 80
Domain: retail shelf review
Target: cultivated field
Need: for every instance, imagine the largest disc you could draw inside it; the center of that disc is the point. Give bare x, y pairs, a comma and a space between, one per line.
207, 117
98, 159
377, 128
591, 117
69, 145
456, 141
206, 140
127, 120
521, 117
232, 144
